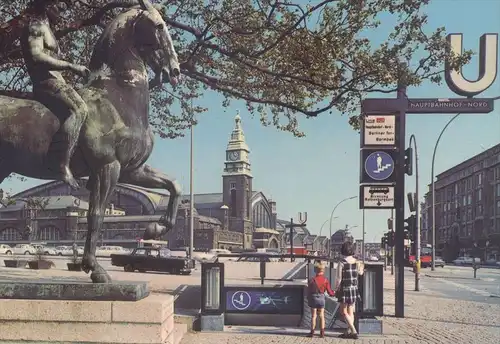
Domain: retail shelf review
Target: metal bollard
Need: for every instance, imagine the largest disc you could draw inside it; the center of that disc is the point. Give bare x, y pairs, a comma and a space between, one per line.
262, 271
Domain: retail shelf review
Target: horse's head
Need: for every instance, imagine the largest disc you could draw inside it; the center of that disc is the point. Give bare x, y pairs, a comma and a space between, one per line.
153, 42
135, 37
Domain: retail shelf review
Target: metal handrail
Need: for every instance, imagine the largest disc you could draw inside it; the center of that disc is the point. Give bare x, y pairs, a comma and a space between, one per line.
268, 255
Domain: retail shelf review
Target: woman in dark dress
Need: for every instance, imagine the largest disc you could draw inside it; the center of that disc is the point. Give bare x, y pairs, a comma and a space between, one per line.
346, 285
317, 287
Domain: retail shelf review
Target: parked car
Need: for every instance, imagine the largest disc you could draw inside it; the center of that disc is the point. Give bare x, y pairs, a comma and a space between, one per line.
217, 251
5, 249
491, 262
44, 249
64, 251
107, 251
466, 261
439, 262
153, 259
24, 249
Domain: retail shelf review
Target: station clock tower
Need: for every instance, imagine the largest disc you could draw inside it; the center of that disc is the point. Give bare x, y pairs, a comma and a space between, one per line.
237, 184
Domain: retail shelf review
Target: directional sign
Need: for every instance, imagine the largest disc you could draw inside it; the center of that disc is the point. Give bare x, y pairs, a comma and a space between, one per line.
378, 130
241, 300
377, 166
376, 197
447, 105
428, 105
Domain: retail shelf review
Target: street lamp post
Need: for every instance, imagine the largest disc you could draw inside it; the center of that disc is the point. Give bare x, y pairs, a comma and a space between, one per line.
331, 218
321, 229
191, 195
417, 211
433, 191
363, 238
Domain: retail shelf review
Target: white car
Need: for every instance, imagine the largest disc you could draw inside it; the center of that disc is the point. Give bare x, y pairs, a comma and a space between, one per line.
64, 251
5, 249
24, 249
45, 249
106, 251
466, 261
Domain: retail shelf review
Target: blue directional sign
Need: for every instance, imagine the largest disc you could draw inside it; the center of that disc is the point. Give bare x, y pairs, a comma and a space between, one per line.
379, 166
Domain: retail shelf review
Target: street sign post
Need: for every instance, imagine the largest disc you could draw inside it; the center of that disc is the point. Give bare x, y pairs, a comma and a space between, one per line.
376, 196
381, 138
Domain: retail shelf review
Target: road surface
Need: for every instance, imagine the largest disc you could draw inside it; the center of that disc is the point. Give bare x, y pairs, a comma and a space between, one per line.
458, 283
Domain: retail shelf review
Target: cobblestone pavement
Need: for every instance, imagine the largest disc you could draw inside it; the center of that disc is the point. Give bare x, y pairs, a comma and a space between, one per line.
429, 318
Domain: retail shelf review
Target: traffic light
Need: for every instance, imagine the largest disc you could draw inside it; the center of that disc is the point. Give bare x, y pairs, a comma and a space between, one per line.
411, 227
390, 239
409, 161
412, 201
389, 224
384, 240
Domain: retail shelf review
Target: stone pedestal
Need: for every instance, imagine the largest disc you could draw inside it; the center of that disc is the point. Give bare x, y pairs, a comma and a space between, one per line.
73, 290
212, 322
150, 320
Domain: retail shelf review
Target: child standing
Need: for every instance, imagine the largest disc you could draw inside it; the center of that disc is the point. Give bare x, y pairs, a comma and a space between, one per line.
317, 287
346, 282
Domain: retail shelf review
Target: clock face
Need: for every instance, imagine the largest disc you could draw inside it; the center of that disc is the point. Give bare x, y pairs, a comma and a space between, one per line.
233, 156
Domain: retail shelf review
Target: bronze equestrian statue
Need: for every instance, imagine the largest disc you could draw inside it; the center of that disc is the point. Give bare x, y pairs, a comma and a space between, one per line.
115, 138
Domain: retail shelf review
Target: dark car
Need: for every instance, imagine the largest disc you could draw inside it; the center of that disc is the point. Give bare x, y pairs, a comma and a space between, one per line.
153, 259
439, 262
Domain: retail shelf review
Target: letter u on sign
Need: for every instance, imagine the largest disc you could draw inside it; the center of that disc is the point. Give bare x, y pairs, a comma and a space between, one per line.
488, 66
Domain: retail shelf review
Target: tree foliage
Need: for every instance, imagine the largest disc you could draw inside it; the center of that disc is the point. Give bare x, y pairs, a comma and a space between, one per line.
34, 203
285, 59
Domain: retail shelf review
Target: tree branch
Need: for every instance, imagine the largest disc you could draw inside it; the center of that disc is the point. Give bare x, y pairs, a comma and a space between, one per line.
96, 18
17, 94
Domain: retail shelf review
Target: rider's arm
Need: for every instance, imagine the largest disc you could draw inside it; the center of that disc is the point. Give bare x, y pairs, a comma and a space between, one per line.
36, 48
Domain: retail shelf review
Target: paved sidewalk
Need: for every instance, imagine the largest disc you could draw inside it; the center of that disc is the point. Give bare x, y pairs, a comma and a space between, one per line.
429, 318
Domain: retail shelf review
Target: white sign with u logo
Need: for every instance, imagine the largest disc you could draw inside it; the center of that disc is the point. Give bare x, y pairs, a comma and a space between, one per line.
488, 66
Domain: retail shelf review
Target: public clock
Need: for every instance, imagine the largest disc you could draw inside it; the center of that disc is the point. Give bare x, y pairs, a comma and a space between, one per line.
233, 156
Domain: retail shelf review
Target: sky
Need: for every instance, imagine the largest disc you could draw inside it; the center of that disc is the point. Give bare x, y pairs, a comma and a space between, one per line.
312, 174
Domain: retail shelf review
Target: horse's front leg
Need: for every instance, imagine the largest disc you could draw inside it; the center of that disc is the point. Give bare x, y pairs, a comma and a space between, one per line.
101, 186
148, 177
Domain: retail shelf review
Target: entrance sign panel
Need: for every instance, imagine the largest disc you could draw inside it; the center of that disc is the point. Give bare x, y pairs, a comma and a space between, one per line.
264, 300
379, 130
449, 105
488, 66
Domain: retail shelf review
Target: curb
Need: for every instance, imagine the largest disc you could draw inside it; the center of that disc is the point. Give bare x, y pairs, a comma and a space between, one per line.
453, 277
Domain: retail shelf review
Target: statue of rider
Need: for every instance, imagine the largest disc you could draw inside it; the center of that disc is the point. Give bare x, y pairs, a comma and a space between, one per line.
41, 55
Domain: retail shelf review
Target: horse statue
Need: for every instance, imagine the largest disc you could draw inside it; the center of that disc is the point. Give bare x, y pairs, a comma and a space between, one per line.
116, 138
